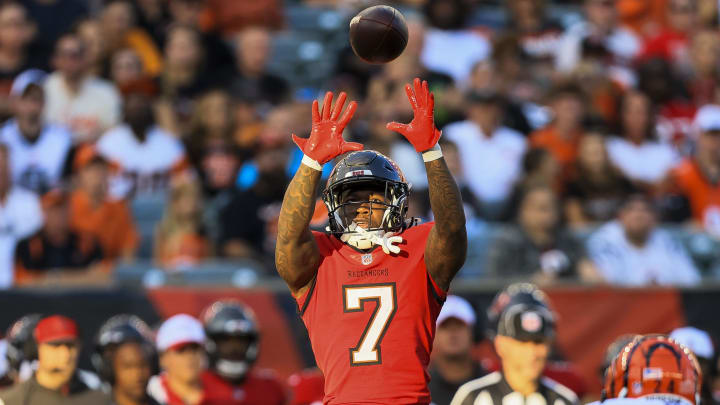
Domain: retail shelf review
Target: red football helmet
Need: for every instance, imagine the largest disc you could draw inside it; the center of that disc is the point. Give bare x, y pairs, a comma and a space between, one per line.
654, 366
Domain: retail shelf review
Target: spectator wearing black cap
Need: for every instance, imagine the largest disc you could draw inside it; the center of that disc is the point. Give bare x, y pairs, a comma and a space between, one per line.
490, 154
124, 357
56, 381
452, 364
37, 150
525, 332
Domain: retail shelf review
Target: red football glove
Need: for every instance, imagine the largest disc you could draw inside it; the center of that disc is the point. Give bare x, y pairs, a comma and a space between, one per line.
421, 132
326, 142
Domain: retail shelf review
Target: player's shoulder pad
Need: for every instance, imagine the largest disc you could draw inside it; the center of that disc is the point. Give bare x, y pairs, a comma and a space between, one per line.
266, 374
562, 390
472, 386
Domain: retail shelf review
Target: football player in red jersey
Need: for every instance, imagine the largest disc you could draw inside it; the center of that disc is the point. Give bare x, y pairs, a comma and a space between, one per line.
370, 313
233, 345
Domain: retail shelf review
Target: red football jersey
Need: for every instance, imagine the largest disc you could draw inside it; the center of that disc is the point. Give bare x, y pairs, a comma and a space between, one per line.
259, 388
371, 320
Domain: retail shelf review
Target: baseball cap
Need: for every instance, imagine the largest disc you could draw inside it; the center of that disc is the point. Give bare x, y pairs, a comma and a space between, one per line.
85, 155
25, 79
526, 322
56, 328
457, 307
179, 330
696, 340
707, 118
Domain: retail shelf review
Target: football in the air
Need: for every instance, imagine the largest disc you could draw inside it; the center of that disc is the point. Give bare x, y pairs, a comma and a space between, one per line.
378, 34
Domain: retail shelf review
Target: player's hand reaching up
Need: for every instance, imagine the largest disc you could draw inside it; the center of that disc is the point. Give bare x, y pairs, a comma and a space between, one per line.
421, 132
326, 141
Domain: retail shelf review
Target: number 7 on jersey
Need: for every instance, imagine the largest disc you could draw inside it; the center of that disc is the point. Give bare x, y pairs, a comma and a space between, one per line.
367, 351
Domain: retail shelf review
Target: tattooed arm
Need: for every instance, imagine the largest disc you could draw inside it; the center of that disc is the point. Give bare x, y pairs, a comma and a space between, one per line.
296, 253
297, 256
447, 244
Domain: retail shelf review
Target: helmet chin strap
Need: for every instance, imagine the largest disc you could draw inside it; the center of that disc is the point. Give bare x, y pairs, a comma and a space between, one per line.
231, 369
362, 239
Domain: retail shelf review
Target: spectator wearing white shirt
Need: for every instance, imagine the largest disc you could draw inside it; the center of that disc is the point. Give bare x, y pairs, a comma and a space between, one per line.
146, 155
601, 29
447, 35
490, 154
20, 216
37, 150
631, 251
87, 105
635, 151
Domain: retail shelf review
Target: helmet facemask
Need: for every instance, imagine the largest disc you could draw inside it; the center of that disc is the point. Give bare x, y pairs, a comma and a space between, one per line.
342, 212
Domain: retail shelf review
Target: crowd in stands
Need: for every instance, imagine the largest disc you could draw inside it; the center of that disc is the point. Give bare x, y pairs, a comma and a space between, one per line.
154, 129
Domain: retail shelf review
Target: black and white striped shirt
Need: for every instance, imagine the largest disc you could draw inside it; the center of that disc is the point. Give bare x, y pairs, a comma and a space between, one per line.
493, 389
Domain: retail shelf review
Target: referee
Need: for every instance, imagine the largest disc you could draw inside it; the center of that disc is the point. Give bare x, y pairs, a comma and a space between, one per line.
524, 336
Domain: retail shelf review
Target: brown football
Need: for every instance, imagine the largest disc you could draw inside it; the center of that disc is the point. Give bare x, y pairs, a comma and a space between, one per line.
378, 34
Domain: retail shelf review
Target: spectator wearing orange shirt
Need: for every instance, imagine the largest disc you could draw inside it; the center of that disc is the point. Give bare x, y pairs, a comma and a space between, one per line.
698, 177
180, 239
93, 211
562, 136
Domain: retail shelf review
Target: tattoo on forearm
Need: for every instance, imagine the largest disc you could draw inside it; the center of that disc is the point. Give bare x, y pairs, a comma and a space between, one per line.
448, 241
295, 248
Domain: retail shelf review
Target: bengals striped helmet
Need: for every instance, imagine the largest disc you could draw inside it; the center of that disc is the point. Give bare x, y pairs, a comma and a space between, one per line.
654, 366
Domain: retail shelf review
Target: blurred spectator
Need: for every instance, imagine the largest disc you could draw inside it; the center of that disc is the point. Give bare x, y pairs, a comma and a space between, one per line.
704, 75
125, 67
307, 387
53, 18
636, 152
452, 362
16, 32
20, 216
524, 338
184, 77
672, 43
56, 380
252, 50
451, 153
248, 224
94, 211
153, 17
601, 30
539, 34
124, 357
37, 150
448, 34
212, 121
56, 249
541, 170
119, 31
233, 347
180, 239
632, 251
490, 154
73, 95
596, 188
537, 247
21, 347
645, 18
147, 156
228, 17
218, 170
216, 51
562, 136
696, 178
90, 32
701, 344
675, 108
